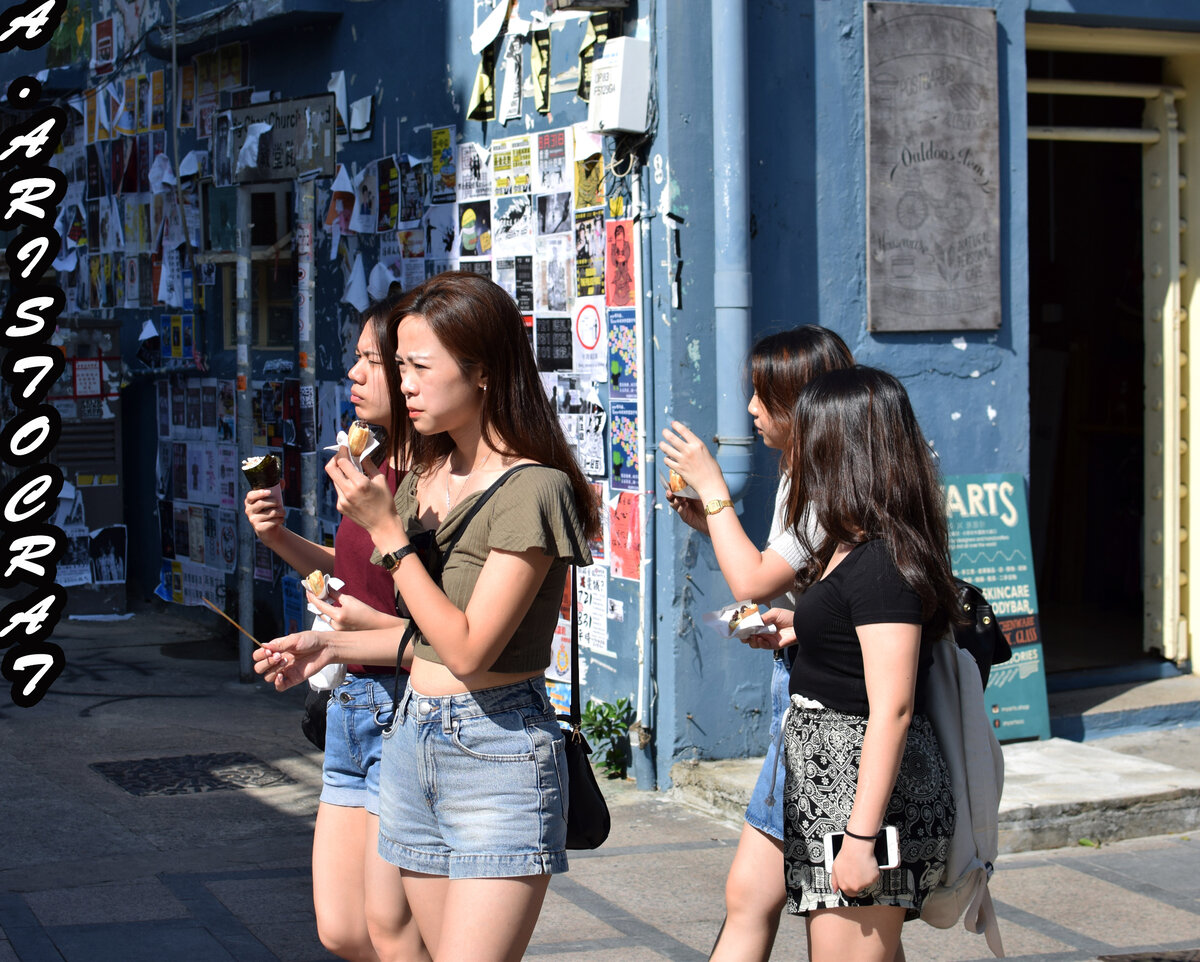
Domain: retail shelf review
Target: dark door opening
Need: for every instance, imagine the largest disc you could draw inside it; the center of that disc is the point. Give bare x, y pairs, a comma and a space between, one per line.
1086, 355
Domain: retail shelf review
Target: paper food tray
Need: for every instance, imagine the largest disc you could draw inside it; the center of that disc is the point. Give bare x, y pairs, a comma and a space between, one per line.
752, 624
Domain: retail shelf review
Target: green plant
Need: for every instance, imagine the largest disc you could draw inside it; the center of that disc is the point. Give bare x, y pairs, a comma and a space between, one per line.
606, 727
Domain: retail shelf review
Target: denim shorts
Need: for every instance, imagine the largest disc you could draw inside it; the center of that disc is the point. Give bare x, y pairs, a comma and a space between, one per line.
475, 785
764, 817
357, 712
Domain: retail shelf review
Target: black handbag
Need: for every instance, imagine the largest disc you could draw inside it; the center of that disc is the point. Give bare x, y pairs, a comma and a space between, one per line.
312, 722
588, 821
981, 636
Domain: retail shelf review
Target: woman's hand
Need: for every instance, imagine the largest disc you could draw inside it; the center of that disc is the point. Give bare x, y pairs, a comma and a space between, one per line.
344, 612
784, 635
689, 510
266, 513
289, 660
855, 869
364, 498
690, 457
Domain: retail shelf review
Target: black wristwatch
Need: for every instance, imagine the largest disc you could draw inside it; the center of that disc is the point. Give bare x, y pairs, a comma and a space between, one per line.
389, 559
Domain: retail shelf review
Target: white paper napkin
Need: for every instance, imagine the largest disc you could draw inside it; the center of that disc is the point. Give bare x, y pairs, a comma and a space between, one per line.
343, 441
752, 624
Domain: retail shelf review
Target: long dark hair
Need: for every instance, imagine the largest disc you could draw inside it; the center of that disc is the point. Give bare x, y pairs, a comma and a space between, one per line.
858, 457
378, 317
479, 324
781, 364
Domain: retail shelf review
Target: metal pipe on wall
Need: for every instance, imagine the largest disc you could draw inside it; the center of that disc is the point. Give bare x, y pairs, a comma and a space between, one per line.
645, 769
306, 211
731, 231
245, 430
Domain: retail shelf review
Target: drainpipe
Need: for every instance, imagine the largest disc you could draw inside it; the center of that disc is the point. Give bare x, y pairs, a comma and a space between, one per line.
731, 280
641, 733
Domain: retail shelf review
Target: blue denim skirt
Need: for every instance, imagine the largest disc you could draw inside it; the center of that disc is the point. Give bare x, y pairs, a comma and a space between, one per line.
475, 785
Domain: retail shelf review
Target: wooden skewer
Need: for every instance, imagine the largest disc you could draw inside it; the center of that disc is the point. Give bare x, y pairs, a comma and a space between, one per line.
232, 622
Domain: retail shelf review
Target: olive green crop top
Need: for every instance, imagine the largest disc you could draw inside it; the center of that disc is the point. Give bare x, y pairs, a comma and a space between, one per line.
535, 508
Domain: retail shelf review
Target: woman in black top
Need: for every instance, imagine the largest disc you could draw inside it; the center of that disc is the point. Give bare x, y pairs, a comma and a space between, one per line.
877, 591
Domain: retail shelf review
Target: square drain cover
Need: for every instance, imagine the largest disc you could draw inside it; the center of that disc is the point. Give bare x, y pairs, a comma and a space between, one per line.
190, 774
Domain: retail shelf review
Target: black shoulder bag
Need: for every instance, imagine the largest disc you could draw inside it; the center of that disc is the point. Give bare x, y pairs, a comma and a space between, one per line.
588, 822
981, 637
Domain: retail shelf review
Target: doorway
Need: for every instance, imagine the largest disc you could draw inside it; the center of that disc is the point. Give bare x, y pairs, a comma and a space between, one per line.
1087, 350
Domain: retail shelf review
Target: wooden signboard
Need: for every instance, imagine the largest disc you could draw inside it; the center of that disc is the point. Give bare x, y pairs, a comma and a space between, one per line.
933, 167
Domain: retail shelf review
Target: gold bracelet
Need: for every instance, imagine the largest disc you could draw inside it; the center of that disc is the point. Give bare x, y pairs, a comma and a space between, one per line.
716, 505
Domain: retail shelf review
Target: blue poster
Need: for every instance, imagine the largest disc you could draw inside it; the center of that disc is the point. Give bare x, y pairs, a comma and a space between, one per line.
622, 353
623, 432
990, 547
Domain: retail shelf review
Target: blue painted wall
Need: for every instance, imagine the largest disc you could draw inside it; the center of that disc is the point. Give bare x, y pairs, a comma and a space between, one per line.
807, 216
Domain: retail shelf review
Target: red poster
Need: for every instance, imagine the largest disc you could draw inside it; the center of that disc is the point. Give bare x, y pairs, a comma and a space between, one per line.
625, 537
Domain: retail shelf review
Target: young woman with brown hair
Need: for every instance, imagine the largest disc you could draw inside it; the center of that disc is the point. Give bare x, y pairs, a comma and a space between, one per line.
358, 899
876, 592
473, 794
780, 365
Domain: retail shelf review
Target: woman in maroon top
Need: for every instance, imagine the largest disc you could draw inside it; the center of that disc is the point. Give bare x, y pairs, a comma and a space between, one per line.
358, 897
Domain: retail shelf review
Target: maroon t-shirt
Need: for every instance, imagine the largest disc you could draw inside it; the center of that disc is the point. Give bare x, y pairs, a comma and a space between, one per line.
370, 584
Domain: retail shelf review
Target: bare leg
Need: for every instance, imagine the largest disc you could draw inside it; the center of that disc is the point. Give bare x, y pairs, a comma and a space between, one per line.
339, 893
754, 898
390, 922
484, 920
868, 934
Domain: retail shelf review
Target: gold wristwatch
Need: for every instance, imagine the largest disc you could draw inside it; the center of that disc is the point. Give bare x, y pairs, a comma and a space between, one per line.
717, 504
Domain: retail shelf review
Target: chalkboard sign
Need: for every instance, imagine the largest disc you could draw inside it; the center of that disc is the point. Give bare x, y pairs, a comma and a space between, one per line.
933, 163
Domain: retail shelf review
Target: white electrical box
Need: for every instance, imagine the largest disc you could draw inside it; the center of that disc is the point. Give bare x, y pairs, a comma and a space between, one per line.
620, 95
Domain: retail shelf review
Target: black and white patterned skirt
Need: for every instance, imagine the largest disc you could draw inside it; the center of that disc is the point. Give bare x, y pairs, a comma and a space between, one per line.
822, 752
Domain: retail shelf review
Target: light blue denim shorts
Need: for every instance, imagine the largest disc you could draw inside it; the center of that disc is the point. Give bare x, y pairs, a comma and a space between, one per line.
475, 785
357, 712
764, 817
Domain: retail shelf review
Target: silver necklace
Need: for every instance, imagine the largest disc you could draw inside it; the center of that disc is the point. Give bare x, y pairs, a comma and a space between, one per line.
465, 482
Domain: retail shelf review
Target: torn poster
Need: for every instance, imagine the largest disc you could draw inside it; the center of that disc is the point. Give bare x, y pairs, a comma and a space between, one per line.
625, 536
510, 78
363, 218
444, 169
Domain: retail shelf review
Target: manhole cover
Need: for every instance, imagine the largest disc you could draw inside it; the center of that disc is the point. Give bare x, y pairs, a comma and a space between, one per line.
190, 774
1189, 955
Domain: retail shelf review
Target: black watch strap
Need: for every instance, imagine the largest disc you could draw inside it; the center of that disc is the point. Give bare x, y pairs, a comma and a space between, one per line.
389, 559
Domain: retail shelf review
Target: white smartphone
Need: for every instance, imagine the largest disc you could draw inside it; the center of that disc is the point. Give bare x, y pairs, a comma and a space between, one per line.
887, 847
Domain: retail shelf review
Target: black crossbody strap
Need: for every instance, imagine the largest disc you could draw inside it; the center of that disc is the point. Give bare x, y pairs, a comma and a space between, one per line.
412, 624
576, 716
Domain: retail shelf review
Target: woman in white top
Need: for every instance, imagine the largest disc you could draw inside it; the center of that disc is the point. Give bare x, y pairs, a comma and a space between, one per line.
780, 365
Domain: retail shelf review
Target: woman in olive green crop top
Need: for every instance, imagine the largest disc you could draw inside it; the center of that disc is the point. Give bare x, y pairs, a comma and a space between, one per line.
472, 790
